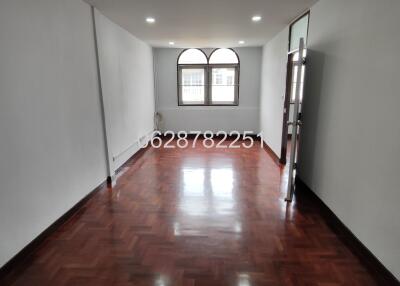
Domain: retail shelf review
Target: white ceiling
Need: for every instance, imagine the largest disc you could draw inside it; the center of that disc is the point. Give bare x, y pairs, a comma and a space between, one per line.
202, 23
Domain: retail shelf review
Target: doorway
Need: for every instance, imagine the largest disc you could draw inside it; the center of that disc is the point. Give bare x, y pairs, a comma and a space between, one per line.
298, 29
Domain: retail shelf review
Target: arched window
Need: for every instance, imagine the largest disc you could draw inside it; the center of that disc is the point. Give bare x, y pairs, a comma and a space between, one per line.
192, 77
224, 56
208, 82
224, 77
192, 56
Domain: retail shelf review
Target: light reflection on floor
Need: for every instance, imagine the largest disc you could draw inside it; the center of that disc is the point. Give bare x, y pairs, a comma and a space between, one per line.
207, 192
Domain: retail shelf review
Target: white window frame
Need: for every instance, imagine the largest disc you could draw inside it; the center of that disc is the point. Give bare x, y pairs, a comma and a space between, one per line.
208, 81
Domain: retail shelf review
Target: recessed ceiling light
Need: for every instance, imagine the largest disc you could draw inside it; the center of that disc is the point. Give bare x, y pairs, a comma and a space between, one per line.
241, 42
150, 20
171, 43
256, 18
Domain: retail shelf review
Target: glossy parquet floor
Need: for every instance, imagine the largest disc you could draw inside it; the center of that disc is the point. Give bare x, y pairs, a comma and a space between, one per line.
198, 217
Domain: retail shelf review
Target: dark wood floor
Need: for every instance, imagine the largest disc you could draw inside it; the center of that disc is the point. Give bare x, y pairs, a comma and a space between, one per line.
195, 217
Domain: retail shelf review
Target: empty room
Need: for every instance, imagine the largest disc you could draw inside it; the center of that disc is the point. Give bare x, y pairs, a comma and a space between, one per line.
199, 143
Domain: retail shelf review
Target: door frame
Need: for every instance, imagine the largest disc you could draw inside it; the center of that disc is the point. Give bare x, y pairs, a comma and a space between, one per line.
289, 75
286, 109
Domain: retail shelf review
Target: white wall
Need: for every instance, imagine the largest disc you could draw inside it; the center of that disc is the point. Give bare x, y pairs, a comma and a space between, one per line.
350, 145
273, 87
244, 117
126, 68
51, 143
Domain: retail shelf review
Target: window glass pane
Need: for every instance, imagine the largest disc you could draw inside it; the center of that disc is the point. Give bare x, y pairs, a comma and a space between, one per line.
224, 56
193, 81
298, 30
223, 94
192, 56
223, 76
223, 85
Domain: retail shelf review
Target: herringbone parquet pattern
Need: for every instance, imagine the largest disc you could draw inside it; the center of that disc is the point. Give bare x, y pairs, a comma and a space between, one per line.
195, 217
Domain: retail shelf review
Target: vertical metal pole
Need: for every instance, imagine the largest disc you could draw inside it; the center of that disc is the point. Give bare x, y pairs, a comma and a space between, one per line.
295, 123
